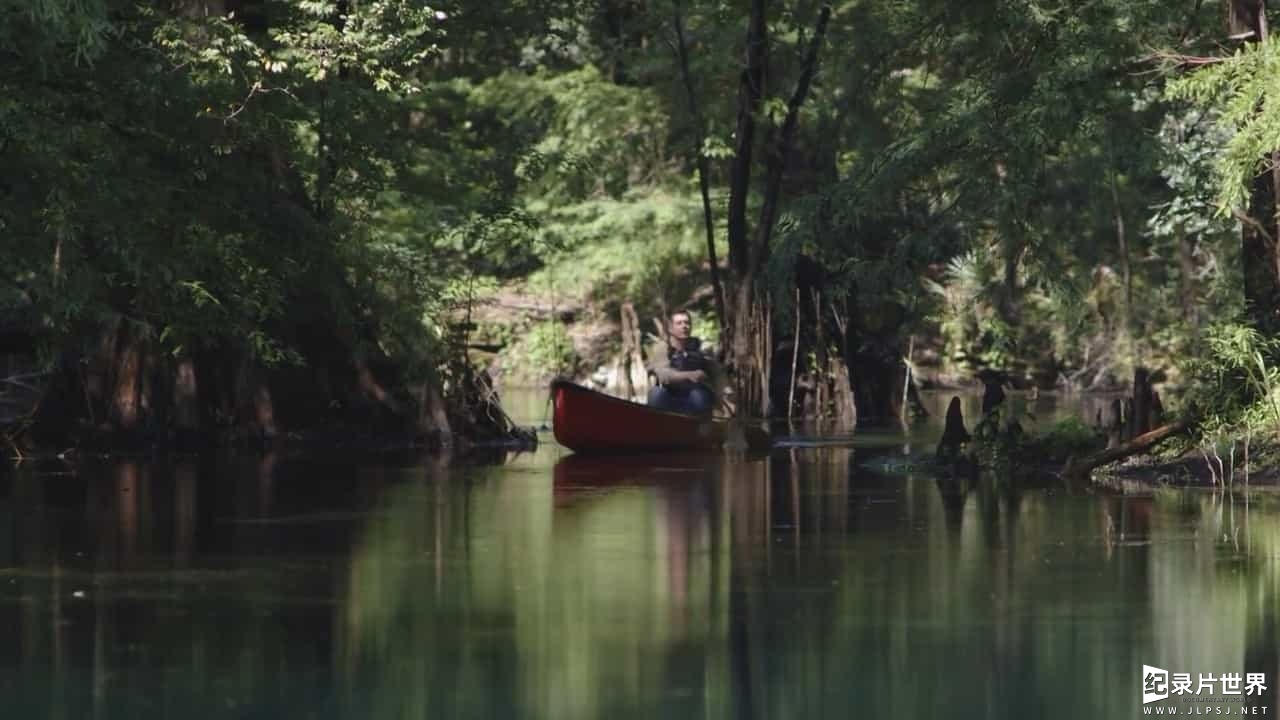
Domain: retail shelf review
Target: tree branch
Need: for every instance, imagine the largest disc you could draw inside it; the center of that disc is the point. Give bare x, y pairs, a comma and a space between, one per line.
1169, 60
750, 92
1248, 220
777, 152
704, 182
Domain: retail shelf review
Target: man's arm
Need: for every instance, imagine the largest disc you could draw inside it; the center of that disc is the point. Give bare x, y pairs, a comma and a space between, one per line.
660, 366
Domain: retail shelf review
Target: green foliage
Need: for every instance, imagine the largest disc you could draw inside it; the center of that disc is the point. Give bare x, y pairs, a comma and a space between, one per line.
998, 441
973, 333
495, 333
208, 178
641, 247
40, 30
707, 327
1236, 382
593, 137
381, 43
1191, 144
1240, 90
961, 170
1068, 437
1001, 444
545, 350
998, 188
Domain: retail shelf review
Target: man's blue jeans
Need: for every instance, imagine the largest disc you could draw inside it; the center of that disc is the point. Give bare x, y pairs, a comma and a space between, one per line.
689, 398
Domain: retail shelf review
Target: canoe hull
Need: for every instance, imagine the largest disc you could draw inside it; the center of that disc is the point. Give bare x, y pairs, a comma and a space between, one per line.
590, 422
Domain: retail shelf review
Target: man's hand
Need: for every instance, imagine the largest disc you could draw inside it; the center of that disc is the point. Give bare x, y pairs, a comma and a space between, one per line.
695, 376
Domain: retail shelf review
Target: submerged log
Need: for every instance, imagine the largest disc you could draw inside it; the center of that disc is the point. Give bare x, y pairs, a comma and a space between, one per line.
1079, 470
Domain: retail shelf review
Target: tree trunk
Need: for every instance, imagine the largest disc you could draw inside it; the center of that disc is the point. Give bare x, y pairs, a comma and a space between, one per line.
1140, 422
736, 332
200, 8
123, 409
704, 171
821, 361
750, 92
877, 374
97, 374
1126, 272
1259, 257
747, 254
1260, 252
1187, 283
186, 397
846, 411
1010, 248
873, 353
626, 31
776, 152
255, 408
634, 381
433, 420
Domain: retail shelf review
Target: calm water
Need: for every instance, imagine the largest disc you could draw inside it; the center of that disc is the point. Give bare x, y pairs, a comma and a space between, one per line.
552, 586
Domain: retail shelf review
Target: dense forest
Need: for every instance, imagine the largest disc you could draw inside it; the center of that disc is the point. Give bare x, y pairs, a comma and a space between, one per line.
257, 216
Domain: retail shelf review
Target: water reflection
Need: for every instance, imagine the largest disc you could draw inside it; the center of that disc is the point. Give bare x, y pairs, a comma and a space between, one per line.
566, 586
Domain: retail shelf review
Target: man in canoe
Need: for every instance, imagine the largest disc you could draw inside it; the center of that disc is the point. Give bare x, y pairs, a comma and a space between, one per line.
686, 374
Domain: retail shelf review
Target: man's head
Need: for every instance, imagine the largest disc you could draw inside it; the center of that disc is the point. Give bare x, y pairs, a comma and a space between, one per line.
681, 325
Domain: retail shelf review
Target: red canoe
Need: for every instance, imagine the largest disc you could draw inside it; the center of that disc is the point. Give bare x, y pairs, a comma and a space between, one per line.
588, 421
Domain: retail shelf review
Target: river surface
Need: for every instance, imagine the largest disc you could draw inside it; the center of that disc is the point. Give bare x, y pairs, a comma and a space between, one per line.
805, 584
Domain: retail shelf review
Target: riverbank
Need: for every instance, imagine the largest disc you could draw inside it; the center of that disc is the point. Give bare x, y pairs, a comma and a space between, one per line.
1199, 467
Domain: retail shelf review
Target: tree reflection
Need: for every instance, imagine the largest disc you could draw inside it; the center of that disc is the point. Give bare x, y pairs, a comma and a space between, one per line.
805, 584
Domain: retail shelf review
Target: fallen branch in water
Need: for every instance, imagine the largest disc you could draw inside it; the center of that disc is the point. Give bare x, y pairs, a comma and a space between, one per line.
1080, 469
